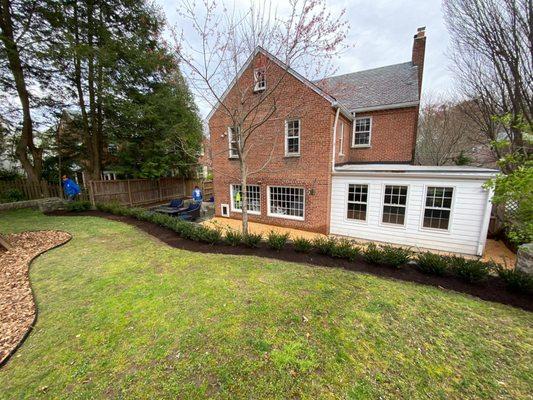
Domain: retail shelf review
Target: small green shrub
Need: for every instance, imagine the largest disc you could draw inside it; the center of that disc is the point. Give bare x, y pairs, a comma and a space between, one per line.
372, 254
394, 256
207, 235
252, 239
469, 270
277, 241
302, 245
344, 248
78, 206
516, 281
432, 264
12, 195
324, 245
233, 237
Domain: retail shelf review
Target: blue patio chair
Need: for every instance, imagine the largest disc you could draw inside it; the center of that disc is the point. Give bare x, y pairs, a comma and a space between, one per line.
192, 213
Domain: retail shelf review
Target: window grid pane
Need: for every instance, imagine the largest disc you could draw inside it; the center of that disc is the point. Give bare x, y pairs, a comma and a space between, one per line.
394, 203
362, 131
233, 152
253, 193
438, 207
357, 201
287, 201
293, 136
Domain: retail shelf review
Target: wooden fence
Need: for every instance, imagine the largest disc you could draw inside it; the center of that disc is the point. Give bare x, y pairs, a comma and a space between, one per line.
139, 192
31, 190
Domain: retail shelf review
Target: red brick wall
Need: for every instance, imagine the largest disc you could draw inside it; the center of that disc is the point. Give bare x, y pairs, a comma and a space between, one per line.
311, 170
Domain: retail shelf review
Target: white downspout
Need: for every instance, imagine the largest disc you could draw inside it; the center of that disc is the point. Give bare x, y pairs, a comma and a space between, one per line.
485, 224
335, 138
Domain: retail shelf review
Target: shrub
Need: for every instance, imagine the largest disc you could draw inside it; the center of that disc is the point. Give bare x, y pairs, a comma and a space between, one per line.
233, 237
207, 235
344, 248
324, 245
77, 206
12, 195
469, 270
302, 245
372, 254
431, 263
252, 239
517, 281
276, 240
394, 256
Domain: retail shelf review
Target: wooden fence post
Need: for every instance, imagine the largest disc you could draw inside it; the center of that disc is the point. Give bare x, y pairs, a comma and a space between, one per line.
159, 189
129, 193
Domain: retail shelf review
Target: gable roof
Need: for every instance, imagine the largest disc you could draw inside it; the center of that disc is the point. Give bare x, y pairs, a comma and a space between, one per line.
385, 87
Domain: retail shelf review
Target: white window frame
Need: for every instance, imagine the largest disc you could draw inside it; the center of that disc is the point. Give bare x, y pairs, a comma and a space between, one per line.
293, 154
355, 146
230, 140
283, 216
361, 221
341, 143
437, 230
391, 224
259, 85
239, 210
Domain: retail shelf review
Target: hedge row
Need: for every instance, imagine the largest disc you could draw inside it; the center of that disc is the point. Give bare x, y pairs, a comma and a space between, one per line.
468, 270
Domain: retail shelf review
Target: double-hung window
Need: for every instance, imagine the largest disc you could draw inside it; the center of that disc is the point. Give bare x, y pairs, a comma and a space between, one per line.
232, 140
292, 137
286, 202
362, 130
253, 196
394, 204
357, 202
259, 80
438, 207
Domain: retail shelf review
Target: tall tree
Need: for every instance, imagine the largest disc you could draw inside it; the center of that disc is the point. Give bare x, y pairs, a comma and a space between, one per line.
221, 40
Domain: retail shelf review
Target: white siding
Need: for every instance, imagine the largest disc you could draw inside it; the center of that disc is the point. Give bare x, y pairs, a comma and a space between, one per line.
464, 234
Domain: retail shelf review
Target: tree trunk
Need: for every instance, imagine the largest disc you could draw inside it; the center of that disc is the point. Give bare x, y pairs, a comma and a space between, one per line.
33, 165
244, 198
4, 243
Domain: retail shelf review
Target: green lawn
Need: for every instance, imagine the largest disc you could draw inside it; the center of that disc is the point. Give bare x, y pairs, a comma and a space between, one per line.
122, 315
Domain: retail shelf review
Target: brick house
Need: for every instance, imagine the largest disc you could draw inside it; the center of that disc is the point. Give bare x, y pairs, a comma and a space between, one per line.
313, 156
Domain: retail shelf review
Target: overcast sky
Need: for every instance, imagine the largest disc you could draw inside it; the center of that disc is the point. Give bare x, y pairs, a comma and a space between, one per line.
381, 34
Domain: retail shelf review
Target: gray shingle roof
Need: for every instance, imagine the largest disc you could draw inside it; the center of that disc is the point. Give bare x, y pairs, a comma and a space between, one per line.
393, 84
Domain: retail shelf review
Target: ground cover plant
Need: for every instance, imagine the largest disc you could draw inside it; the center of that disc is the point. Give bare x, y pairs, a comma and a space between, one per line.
277, 241
122, 315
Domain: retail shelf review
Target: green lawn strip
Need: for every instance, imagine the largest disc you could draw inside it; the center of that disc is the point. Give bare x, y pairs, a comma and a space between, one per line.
123, 315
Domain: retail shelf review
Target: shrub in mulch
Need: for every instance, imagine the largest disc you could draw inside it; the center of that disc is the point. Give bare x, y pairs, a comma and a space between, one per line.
78, 206
466, 270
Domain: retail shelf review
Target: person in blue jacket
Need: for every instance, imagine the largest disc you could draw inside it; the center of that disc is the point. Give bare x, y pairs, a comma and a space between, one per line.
197, 195
70, 188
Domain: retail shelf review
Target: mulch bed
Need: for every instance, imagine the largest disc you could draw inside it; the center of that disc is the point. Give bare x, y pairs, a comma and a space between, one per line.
17, 306
492, 289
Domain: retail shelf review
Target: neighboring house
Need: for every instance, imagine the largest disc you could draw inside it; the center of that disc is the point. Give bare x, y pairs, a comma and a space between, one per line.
202, 169
341, 161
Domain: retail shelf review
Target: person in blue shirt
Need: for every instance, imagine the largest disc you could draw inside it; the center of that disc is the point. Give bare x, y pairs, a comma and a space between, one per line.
70, 188
197, 195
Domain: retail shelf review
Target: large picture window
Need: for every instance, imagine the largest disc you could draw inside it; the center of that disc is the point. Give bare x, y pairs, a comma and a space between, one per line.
438, 207
394, 204
362, 132
253, 193
286, 202
232, 139
357, 202
292, 137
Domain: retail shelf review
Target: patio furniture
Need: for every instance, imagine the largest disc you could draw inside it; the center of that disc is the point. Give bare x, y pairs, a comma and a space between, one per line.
174, 207
191, 213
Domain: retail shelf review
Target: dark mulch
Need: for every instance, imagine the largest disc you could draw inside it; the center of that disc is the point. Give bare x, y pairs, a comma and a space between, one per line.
493, 289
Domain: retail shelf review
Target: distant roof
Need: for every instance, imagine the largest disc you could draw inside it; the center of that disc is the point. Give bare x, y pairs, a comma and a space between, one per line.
392, 85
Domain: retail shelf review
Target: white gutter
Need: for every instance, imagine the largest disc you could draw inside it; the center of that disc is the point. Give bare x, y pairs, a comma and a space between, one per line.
432, 175
335, 137
485, 226
386, 107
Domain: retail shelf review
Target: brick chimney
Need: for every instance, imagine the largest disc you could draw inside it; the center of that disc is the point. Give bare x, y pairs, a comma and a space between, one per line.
419, 51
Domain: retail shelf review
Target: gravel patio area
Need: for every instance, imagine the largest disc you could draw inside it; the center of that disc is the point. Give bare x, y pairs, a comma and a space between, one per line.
17, 306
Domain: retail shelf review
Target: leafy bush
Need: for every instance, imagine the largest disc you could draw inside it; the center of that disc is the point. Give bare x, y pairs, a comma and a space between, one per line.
233, 237
206, 234
516, 280
302, 245
431, 263
77, 206
276, 240
469, 270
372, 254
394, 256
344, 248
324, 245
252, 239
12, 195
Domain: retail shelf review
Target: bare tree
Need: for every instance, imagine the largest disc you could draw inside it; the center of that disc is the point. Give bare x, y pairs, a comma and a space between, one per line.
305, 38
492, 42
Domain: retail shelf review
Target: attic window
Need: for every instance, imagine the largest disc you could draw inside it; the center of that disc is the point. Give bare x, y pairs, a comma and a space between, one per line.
260, 83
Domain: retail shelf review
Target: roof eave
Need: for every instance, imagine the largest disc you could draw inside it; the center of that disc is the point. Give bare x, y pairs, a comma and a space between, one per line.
386, 107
